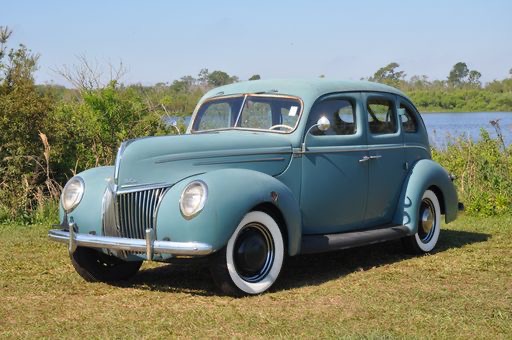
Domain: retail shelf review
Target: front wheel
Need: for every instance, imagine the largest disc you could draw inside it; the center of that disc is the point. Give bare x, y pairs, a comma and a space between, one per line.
429, 225
95, 266
252, 260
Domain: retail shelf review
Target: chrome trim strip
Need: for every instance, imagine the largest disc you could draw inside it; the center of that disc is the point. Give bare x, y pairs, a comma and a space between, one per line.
275, 159
159, 199
224, 153
118, 161
128, 244
126, 189
329, 149
242, 107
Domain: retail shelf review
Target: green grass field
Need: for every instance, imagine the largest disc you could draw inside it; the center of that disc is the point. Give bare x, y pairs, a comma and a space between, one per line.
462, 290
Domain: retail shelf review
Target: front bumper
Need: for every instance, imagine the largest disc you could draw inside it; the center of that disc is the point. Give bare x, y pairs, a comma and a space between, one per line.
149, 245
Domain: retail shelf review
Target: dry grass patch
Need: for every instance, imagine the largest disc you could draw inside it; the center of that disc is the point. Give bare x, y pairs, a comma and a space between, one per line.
462, 290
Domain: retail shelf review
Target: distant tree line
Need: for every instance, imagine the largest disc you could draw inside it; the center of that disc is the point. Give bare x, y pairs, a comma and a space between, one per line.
461, 91
50, 132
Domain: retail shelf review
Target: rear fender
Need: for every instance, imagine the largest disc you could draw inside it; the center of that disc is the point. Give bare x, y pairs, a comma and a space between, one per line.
425, 174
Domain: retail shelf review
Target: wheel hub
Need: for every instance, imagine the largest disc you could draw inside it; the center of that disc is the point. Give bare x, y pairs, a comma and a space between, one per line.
253, 253
427, 220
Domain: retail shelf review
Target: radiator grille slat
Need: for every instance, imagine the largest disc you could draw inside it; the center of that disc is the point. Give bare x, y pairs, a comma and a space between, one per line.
129, 214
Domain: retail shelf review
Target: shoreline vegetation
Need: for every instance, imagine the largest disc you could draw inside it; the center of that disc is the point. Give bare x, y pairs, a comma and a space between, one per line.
49, 132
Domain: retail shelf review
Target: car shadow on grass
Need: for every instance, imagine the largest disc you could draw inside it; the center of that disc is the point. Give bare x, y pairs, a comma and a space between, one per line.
193, 277
307, 270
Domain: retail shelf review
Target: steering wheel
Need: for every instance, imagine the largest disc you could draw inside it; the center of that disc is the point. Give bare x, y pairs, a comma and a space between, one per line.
279, 126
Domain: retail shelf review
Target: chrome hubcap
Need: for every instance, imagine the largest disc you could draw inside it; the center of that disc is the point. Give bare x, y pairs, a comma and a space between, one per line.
427, 221
254, 252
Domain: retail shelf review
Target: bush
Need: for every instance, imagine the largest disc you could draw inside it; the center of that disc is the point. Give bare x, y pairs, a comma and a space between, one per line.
483, 170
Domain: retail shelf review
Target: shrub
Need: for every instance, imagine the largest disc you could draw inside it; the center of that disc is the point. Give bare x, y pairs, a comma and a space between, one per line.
483, 170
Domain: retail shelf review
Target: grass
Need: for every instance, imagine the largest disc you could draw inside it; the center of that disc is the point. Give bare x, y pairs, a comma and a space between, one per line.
462, 290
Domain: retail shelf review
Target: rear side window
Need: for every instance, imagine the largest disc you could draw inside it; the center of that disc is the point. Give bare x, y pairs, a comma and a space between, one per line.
341, 114
409, 121
381, 116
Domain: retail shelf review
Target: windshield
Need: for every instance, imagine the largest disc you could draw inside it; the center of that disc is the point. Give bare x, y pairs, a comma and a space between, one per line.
259, 112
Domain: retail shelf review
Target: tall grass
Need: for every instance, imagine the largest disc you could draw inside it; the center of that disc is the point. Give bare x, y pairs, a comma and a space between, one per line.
483, 170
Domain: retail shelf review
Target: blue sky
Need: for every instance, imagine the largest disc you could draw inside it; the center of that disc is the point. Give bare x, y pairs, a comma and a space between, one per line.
160, 41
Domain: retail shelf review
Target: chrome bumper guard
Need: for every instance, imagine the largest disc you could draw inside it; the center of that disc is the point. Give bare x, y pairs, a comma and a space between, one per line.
148, 246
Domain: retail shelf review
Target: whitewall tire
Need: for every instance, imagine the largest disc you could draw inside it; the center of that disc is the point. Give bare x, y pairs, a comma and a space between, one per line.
429, 225
253, 257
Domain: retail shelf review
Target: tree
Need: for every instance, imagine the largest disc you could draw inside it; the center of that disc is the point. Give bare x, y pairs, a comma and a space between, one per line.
388, 75
458, 74
89, 75
185, 84
23, 117
218, 78
461, 75
255, 77
474, 78
203, 76
5, 33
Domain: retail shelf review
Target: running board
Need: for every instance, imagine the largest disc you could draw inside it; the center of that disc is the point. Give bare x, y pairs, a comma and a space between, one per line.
323, 243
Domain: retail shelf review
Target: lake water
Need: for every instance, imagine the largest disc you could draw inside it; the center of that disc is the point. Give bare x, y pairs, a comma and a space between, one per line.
443, 127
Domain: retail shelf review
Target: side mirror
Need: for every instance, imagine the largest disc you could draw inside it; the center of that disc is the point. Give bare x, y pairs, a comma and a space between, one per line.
174, 124
323, 124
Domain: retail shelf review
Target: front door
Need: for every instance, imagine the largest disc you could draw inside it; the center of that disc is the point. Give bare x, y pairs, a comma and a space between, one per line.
386, 158
335, 181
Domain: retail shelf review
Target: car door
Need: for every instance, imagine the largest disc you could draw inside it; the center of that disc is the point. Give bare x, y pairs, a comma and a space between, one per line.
386, 160
334, 181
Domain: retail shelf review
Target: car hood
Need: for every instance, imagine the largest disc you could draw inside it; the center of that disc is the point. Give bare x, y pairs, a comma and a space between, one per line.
168, 159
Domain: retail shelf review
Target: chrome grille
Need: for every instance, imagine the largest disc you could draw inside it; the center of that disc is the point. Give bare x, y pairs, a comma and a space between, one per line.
128, 214
136, 211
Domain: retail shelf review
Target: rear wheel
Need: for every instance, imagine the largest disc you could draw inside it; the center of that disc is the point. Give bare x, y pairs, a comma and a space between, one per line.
95, 266
252, 260
429, 225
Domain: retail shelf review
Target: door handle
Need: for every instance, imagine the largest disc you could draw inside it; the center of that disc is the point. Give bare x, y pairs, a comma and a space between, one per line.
366, 158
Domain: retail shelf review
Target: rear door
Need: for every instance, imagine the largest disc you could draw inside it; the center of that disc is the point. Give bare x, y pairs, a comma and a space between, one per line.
386, 161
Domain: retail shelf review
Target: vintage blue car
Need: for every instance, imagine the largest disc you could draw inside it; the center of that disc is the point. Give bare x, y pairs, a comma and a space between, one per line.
266, 169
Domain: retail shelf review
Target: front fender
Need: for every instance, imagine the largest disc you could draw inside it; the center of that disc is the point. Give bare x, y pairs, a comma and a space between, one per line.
231, 194
425, 174
88, 214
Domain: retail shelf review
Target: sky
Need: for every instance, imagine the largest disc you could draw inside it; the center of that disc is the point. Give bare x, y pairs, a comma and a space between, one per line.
160, 41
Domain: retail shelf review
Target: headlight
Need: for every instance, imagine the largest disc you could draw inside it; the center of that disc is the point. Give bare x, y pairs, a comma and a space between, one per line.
72, 193
193, 198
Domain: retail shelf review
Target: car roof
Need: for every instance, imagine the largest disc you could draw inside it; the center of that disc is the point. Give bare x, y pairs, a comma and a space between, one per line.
307, 89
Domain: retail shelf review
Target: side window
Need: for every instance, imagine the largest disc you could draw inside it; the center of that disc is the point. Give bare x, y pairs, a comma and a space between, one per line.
256, 115
216, 116
340, 112
409, 121
381, 116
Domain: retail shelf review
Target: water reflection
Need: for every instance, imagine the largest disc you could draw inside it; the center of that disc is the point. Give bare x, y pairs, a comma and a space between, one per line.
443, 127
